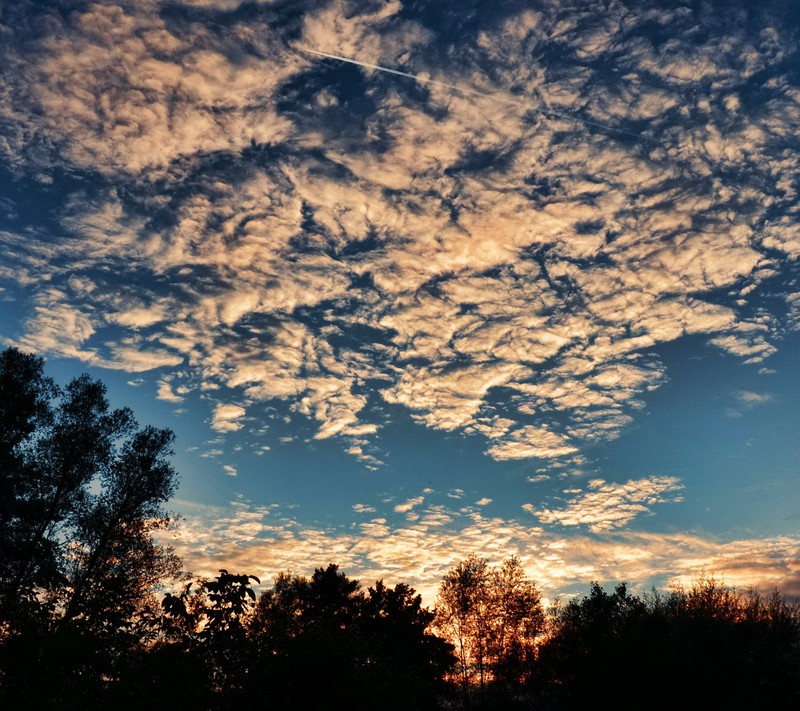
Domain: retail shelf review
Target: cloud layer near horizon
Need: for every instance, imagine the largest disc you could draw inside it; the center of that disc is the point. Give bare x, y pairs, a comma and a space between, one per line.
265, 541
249, 216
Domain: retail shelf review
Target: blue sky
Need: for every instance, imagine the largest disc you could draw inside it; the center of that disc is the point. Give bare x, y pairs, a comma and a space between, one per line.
536, 294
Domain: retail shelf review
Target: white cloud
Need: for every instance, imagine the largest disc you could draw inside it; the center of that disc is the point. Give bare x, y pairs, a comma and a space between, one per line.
532, 442
748, 398
409, 505
118, 90
265, 541
132, 357
226, 417
165, 392
140, 317
754, 349
608, 506
59, 328
466, 245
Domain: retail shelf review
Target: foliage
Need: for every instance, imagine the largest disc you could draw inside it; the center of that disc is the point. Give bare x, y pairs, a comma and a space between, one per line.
493, 617
208, 626
363, 649
82, 493
718, 646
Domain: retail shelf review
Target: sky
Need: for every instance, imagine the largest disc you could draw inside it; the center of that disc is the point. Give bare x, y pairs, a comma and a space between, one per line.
415, 279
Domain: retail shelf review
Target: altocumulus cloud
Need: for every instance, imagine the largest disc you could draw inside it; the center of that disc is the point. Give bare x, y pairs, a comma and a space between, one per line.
294, 229
266, 540
606, 506
226, 417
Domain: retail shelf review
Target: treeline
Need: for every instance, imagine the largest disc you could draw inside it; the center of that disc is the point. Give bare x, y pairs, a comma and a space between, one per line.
708, 646
85, 624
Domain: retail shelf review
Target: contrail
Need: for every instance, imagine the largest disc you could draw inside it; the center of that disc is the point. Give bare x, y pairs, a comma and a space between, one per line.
474, 92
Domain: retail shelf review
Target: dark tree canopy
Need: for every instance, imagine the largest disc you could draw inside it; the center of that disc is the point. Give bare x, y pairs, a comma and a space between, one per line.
83, 489
363, 649
713, 645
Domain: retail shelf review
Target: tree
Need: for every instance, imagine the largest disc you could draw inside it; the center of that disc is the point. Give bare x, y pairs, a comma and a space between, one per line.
462, 614
36, 491
406, 663
733, 648
717, 646
517, 622
591, 644
208, 629
493, 617
115, 558
83, 492
363, 649
307, 629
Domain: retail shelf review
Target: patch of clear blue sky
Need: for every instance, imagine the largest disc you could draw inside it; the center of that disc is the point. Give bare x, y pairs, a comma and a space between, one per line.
740, 465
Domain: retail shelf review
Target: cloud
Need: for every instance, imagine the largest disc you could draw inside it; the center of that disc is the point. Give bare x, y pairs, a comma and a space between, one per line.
532, 442
59, 327
754, 349
409, 505
607, 506
363, 508
265, 540
793, 319
118, 88
226, 417
132, 356
748, 398
165, 392
286, 228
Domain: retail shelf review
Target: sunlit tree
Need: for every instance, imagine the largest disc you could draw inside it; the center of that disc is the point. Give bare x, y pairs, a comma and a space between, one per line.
493, 617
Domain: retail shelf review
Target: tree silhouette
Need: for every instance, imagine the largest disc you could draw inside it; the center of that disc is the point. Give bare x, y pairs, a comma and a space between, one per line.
406, 663
363, 650
83, 492
590, 643
210, 626
306, 629
712, 644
